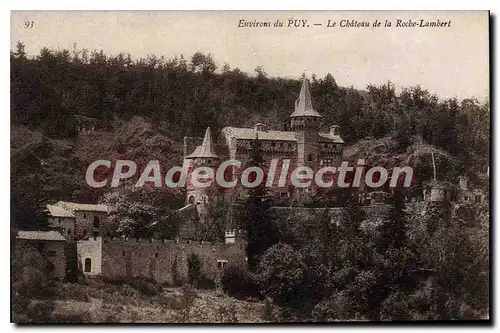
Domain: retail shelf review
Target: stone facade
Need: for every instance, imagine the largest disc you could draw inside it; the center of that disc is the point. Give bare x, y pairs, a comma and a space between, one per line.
163, 261
52, 246
81, 221
89, 254
304, 145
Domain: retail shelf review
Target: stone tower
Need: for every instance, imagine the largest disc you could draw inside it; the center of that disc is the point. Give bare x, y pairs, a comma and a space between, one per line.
306, 122
202, 156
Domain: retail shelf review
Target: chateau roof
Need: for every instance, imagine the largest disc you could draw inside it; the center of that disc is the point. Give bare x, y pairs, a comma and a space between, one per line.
303, 104
328, 137
206, 148
40, 235
72, 207
437, 184
252, 134
55, 211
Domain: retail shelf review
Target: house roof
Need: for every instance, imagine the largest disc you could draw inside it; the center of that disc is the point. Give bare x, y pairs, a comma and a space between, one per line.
303, 104
328, 137
437, 184
206, 149
252, 134
72, 207
55, 211
41, 235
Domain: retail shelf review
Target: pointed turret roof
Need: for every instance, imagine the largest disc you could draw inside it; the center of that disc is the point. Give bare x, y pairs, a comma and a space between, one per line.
206, 148
303, 104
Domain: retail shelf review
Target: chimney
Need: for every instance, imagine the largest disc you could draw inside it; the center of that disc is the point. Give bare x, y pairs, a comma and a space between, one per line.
333, 129
462, 182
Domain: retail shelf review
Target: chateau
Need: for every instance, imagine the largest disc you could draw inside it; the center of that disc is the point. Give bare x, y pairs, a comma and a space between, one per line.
167, 261
304, 145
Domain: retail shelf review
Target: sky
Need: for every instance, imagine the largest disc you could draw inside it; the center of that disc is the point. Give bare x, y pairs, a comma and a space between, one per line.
450, 61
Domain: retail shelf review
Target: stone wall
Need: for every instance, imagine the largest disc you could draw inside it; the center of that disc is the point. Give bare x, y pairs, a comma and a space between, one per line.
66, 225
90, 249
84, 221
53, 251
166, 261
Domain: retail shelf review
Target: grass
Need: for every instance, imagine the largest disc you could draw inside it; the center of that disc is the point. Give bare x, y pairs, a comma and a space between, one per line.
100, 302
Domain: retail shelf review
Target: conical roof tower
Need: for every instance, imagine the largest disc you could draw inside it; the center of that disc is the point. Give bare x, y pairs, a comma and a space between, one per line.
303, 104
206, 149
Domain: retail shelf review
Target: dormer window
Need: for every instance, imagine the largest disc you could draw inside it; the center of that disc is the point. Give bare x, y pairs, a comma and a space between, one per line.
334, 130
260, 127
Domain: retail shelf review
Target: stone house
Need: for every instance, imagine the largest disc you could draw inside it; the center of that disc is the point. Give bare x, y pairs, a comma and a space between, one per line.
89, 219
62, 220
51, 244
437, 191
469, 194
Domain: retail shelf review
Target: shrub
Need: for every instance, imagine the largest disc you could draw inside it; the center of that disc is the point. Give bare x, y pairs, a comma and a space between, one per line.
206, 283
194, 269
30, 281
236, 282
73, 291
146, 287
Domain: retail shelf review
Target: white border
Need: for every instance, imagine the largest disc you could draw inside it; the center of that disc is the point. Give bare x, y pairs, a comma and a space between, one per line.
199, 5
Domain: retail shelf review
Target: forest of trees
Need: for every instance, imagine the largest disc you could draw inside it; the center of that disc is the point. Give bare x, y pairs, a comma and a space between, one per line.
53, 91
185, 96
337, 271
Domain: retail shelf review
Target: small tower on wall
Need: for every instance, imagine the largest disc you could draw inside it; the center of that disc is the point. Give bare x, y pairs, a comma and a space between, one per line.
202, 156
306, 122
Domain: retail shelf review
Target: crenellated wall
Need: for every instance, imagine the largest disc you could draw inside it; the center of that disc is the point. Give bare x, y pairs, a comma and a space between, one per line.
164, 261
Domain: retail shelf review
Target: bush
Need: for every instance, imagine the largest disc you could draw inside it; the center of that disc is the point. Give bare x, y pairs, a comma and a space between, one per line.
146, 287
72, 291
194, 269
237, 283
29, 282
206, 283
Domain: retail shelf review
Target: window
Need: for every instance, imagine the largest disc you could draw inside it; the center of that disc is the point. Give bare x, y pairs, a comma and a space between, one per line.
221, 264
88, 265
156, 255
96, 222
123, 253
326, 161
310, 158
50, 268
52, 253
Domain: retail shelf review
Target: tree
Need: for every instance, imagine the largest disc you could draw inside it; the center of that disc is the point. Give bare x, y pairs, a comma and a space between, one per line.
194, 269
139, 211
261, 73
392, 232
261, 234
202, 63
220, 219
30, 282
280, 275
